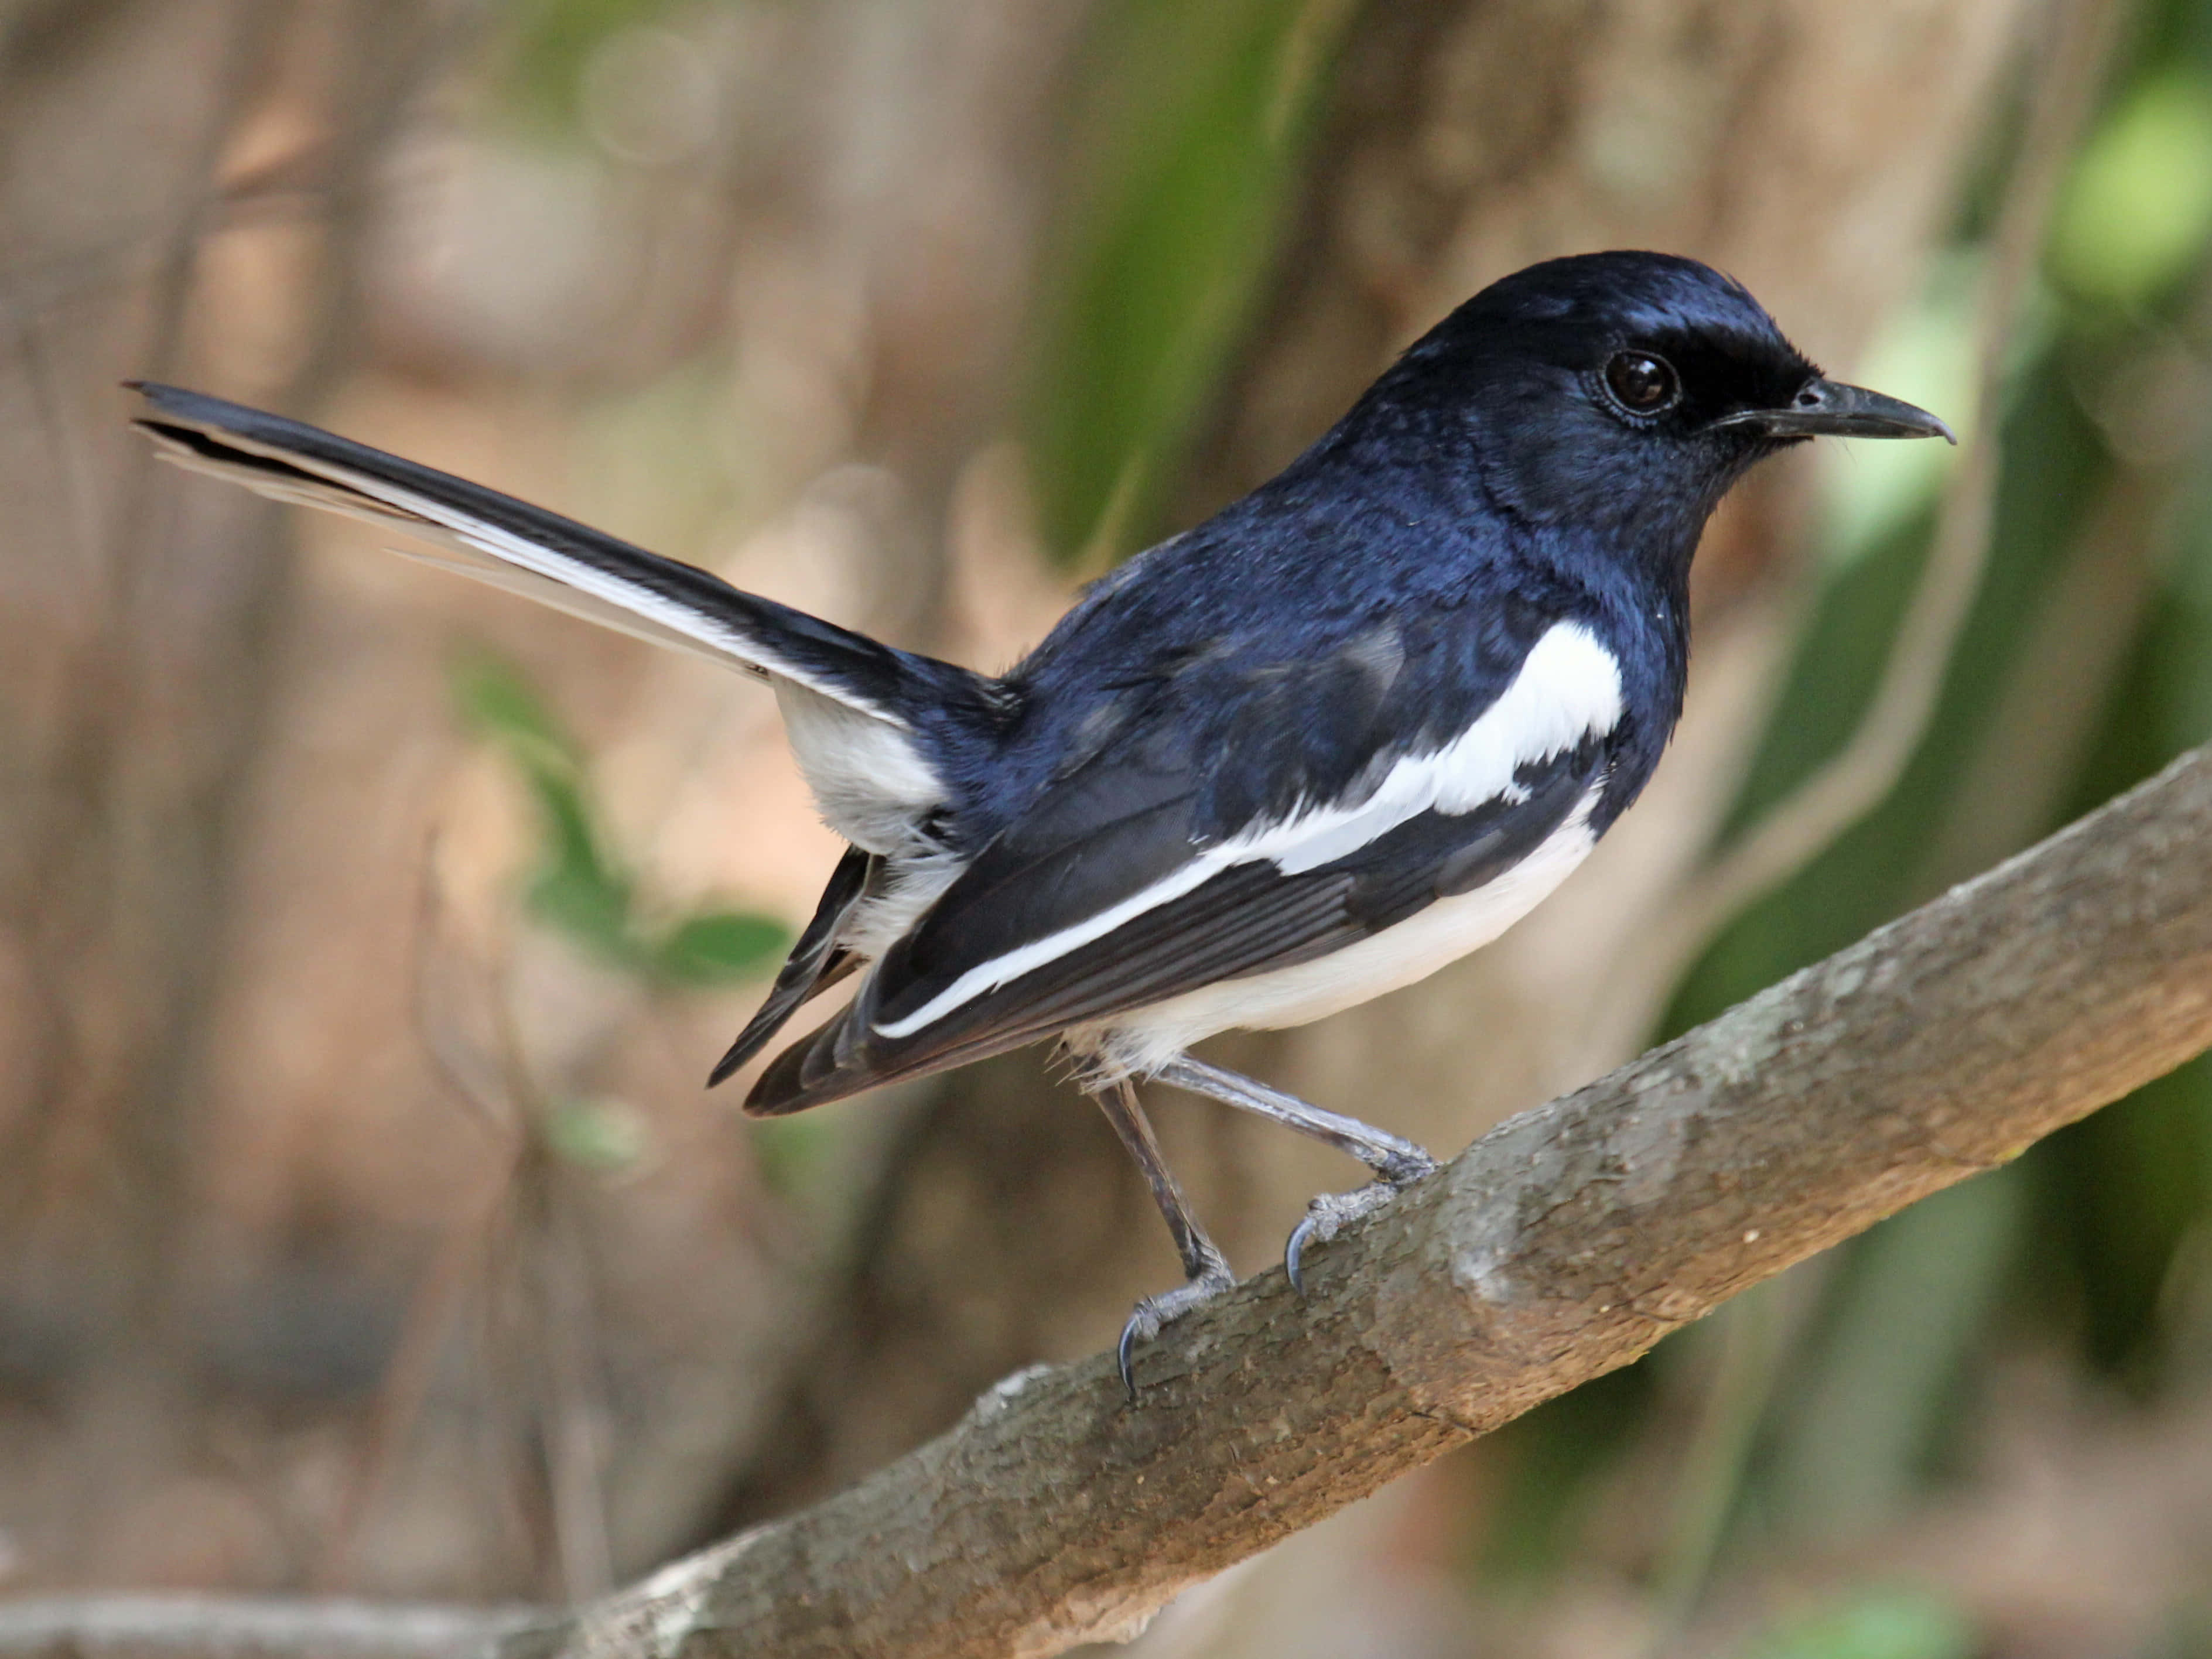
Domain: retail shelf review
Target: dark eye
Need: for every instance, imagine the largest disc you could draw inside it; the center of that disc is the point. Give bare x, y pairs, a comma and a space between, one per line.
1641, 383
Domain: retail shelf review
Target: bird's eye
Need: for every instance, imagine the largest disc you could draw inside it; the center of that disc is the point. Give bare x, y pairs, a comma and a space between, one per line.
1641, 383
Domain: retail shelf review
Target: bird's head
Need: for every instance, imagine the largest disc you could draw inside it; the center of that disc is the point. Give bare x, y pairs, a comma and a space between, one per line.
1622, 393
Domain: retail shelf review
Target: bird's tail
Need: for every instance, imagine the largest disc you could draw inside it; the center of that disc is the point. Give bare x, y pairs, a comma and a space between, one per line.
879, 732
509, 544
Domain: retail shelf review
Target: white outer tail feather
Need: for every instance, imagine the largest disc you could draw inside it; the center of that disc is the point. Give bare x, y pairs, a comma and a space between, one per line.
870, 780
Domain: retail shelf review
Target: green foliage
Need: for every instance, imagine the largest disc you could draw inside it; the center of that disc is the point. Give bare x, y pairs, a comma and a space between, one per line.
551, 42
2125, 1190
1876, 1382
1894, 1624
579, 888
1551, 1456
798, 1153
716, 947
606, 1137
1925, 357
2139, 205
1193, 123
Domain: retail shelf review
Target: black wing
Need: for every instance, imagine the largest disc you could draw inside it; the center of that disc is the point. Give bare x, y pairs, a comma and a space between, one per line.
816, 963
1251, 918
1104, 899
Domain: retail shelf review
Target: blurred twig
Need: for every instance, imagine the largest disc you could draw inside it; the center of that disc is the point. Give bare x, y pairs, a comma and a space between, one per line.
557, 1344
1756, 1333
2064, 92
457, 1263
575, 1406
406, 1382
209, 1627
90, 755
528, 1206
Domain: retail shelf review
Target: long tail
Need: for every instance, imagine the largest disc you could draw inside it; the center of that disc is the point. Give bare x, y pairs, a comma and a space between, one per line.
495, 538
872, 726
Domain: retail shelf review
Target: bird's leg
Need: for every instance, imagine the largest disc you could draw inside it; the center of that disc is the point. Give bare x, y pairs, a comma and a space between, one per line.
1205, 1268
1392, 1158
1397, 1162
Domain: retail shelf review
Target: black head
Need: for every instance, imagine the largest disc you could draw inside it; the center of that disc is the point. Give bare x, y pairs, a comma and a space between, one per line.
1622, 393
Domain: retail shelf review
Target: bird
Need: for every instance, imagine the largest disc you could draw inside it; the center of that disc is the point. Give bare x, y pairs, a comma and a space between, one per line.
1348, 729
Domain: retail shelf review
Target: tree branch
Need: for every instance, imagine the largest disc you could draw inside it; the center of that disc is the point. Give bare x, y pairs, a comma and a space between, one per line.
1561, 1245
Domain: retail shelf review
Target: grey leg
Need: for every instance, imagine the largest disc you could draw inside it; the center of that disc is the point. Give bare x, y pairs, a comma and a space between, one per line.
1398, 1163
1389, 1157
1204, 1266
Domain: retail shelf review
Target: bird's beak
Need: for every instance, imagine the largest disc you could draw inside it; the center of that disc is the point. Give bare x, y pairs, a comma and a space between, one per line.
1830, 409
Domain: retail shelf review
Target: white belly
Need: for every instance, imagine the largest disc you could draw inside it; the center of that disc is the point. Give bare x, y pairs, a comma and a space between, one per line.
1413, 950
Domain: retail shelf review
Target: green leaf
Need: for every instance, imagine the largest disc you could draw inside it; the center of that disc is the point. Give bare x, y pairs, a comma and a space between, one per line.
793, 1152
578, 888
2138, 207
577, 895
717, 946
1879, 1625
551, 42
603, 1135
495, 698
1192, 125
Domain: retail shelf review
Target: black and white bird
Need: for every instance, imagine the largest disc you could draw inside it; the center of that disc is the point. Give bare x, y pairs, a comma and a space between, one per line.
1348, 729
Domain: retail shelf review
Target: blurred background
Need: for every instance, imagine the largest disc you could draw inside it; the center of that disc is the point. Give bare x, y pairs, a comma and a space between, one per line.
366, 936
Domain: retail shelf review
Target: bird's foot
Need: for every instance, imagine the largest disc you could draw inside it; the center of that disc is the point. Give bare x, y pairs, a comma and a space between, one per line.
1332, 1212
1213, 1278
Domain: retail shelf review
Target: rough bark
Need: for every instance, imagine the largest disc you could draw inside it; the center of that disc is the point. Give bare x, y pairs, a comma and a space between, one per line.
1560, 1246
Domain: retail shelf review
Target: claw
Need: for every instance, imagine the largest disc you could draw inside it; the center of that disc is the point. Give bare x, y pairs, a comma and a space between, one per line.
1328, 1214
1296, 1247
1125, 1348
1155, 1311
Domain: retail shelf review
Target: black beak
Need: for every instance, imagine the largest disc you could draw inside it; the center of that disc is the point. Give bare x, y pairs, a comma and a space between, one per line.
1830, 409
